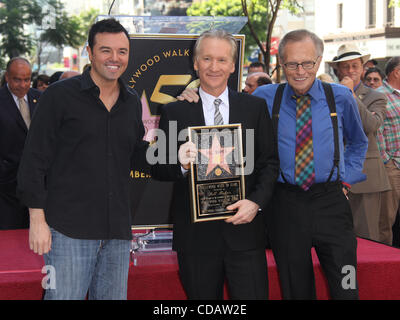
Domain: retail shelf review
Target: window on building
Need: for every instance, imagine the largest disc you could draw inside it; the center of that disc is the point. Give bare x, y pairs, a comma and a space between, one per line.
340, 15
371, 19
389, 14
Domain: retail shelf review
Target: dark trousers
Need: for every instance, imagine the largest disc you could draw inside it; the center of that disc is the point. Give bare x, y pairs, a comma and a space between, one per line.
319, 218
203, 275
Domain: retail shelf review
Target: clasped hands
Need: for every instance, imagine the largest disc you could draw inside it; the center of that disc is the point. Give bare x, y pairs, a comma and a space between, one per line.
246, 209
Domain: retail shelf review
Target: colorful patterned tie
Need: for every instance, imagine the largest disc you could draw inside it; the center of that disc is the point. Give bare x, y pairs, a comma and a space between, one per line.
304, 172
218, 120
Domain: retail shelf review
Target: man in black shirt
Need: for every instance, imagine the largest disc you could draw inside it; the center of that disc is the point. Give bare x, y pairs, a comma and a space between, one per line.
74, 174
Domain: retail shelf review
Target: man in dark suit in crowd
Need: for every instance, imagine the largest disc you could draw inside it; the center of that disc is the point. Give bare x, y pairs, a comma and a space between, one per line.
235, 248
17, 103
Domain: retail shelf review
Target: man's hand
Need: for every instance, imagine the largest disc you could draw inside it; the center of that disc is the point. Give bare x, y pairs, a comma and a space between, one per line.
247, 210
348, 82
189, 94
39, 232
187, 154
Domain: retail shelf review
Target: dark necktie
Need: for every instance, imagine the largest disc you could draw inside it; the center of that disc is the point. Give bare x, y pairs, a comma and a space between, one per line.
304, 172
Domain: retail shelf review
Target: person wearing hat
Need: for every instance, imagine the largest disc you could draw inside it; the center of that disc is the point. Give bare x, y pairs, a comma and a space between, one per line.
365, 197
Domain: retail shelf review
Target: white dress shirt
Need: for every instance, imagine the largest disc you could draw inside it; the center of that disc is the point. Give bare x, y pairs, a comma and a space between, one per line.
209, 108
16, 99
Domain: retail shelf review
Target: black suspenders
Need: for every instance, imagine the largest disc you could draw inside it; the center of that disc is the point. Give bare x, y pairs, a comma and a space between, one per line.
332, 109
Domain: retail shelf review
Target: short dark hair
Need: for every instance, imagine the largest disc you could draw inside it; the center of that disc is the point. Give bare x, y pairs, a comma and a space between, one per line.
41, 77
263, 80
391, 65
373, 61
106, 25
375, 69
257, 64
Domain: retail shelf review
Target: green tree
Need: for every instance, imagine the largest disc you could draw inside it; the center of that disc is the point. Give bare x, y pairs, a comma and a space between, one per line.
68, 31
261, 16
15, 15
19, 19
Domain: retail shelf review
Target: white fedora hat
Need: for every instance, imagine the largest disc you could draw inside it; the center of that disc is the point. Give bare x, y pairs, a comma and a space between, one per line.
348, 52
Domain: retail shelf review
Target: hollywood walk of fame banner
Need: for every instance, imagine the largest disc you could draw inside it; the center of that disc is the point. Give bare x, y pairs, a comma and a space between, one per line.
160, 68
217, 177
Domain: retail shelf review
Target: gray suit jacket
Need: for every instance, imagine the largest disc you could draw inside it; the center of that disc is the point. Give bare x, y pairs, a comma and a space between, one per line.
372, 108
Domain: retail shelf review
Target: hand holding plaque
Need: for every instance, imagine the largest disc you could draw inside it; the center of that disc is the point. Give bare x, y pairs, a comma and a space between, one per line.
217, 179
246, 211
187, 154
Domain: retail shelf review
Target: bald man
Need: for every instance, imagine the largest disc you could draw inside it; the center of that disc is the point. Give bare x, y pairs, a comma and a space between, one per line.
69, 74
17, 104
256, 79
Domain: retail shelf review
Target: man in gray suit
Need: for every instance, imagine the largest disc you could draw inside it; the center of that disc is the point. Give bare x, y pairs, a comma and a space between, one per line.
365, 197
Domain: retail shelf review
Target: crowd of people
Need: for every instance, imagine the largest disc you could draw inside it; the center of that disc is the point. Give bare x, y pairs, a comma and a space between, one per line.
326, 156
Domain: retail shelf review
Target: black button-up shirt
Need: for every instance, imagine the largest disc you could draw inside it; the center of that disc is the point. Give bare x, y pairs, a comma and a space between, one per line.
78, 156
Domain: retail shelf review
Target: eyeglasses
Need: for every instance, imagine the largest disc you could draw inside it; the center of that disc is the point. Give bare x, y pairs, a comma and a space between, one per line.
373, 79
306, 65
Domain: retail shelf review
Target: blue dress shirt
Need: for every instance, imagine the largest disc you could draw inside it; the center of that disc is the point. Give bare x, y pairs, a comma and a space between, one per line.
352, 152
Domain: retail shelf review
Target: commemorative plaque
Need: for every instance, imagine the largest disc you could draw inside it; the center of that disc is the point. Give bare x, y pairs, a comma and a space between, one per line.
217, 176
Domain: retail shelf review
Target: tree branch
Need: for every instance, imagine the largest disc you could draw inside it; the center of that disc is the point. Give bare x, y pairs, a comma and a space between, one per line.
252, 31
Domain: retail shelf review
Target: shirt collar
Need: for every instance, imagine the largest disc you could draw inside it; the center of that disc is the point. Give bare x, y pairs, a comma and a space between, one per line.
87, 83
15, 97
314, 91
208, 99
357, 86
390, 88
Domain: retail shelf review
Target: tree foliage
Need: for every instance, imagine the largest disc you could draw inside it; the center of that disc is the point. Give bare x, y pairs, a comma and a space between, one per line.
19, 19
14, 16
261, 16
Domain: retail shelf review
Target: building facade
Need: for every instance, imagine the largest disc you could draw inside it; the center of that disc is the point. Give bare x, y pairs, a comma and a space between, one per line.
370, 24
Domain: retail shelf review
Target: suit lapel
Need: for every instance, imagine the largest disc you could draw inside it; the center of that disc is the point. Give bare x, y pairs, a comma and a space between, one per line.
32, 102
12, 109
234, 109
197, 114
361, 91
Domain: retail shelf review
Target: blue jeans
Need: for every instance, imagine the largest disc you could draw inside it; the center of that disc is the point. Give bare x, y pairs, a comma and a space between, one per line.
99, 267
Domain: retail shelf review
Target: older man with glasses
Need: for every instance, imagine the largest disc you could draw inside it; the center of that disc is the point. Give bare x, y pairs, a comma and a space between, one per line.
310, 208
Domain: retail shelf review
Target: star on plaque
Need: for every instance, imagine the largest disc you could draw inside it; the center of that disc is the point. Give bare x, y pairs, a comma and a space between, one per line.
217, 157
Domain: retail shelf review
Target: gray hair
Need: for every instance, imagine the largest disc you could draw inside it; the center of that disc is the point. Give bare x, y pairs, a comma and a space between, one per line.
218, 34
391, 65
300, 35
